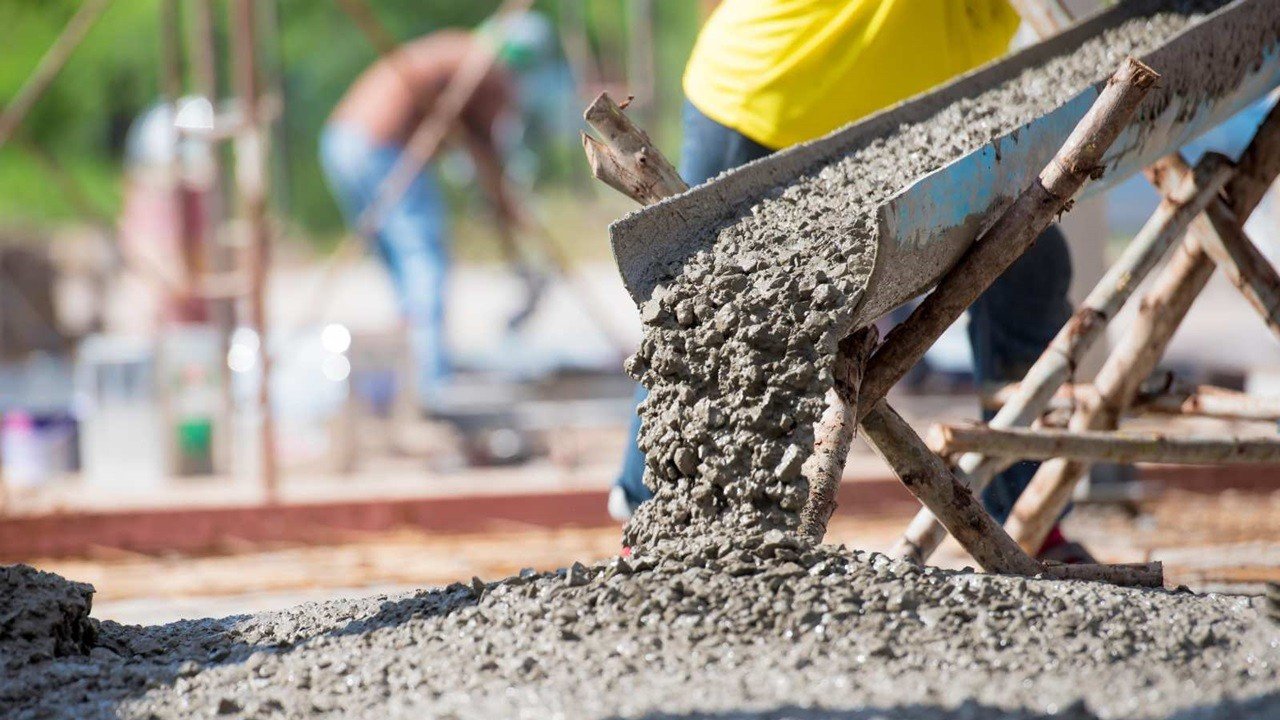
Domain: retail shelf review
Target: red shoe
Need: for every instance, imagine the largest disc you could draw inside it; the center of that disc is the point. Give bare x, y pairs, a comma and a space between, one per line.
1057, 548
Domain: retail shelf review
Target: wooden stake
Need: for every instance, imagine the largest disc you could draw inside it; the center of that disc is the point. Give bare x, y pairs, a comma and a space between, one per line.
1015, 230
627, 159
1159, 315
927, 477
1102, 446
1058, 362
1239, 259
1129, 575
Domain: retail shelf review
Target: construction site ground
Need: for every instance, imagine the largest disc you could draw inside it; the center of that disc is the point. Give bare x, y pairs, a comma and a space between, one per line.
397, 525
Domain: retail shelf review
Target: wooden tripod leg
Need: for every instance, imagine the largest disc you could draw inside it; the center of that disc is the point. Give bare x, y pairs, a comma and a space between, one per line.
1000, 246
1057, 363
929, 479
1159, 315
834, 432
1242, 263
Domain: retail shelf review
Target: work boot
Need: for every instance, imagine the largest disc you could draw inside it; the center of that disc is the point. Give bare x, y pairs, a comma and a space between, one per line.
1057, 548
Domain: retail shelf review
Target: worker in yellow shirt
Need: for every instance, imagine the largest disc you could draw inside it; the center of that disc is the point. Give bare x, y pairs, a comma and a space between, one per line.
767, 74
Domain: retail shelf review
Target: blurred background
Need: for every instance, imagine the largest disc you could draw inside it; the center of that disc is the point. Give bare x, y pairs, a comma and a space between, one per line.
167, 232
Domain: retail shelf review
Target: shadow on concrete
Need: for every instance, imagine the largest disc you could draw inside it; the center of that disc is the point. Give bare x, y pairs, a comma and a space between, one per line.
1262, 707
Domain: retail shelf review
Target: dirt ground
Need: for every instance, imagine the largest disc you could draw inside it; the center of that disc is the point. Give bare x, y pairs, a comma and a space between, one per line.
1229, 542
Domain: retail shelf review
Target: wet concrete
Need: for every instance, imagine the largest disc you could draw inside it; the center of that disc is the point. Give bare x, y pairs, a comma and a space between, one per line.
723, 612
765, 627
740, 337
42, 616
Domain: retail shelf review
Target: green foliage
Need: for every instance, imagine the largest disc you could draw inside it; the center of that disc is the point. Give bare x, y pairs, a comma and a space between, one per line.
114, 75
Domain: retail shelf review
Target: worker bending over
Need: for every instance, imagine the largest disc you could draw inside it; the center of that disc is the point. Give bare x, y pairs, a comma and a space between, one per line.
365, 137
768, 74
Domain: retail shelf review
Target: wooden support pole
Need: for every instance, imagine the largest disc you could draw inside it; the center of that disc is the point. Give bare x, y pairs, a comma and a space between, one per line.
1205, 401
1016, 229
54, 59
1247, 269
627, 159
251, 182
1010, 236
1149, 574
202, 42
1159, 315
834, 433
1211, 402
929, 479
1102, 446
1058, 362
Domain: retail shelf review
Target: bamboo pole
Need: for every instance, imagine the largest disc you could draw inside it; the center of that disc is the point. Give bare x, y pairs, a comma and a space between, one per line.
1087, 325
1015, 230
1159, 315
1102, 446
926, 476
54, 59
1212, 402
251, 181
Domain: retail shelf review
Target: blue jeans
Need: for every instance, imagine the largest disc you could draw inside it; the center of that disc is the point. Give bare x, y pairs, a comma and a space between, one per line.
1009, 325
410, 241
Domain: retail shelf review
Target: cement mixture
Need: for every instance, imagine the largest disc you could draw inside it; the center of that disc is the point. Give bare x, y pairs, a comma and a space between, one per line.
722, 612
740, 339
768, 627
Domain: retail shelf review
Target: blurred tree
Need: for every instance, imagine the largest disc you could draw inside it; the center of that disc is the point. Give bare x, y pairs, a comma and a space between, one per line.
114, 75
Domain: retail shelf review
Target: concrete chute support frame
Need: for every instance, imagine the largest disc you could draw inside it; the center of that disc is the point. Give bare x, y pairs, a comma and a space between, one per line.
627, 161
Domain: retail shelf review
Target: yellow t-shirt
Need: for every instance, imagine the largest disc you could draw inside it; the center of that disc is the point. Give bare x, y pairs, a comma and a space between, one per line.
786, 71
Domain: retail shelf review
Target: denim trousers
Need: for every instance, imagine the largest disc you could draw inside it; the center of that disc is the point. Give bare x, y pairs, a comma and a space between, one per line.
410, 242
1009, 325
